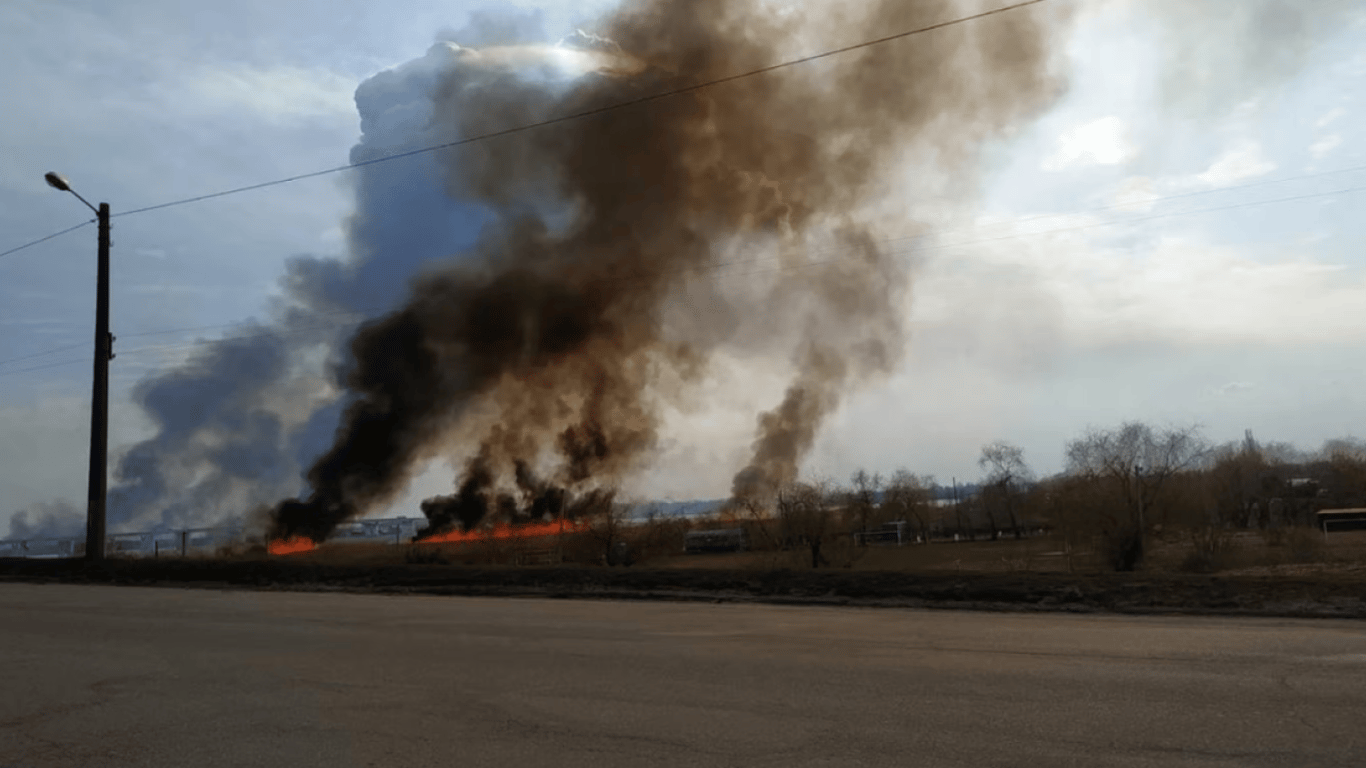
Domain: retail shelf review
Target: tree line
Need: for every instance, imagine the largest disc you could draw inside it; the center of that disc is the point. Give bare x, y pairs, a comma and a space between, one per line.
1120, 487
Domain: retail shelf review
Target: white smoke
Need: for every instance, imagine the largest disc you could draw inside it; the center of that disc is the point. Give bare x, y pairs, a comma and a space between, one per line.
240, 421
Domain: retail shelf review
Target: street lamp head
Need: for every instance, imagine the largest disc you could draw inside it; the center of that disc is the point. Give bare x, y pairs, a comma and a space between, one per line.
57, 181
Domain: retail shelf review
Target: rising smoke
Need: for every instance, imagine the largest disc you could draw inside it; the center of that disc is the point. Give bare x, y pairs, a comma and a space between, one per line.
1219, 54
569, 282
543, 350
239, 422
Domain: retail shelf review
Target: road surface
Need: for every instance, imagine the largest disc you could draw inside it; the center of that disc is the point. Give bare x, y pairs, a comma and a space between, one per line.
119, 676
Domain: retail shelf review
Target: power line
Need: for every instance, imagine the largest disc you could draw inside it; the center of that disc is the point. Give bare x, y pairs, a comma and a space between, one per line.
32, 243
284, 332
712, 268
190, 344
588, 112
601, 110
544, 123
659, 96
41, 367
1098, 209
357, 311
44, 353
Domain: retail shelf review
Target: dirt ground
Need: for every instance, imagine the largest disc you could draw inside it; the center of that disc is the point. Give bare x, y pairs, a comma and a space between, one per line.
1295, 578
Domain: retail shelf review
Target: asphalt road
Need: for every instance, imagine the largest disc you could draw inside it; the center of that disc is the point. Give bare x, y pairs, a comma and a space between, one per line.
117, 676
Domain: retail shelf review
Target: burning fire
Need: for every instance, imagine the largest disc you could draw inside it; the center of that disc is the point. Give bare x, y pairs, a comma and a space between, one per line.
296, 544
505, 531
291, 545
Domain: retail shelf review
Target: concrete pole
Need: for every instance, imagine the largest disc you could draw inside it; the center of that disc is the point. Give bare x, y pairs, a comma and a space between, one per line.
99, 402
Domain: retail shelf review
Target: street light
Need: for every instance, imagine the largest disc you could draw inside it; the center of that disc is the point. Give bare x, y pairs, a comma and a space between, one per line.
99, 402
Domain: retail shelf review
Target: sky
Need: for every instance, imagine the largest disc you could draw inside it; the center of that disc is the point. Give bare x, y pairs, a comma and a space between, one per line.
1176, 239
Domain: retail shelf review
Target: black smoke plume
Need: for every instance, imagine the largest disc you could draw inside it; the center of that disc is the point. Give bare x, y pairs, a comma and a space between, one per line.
547, 349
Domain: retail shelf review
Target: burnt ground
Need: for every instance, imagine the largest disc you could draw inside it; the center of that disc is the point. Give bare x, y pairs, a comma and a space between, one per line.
1328, 594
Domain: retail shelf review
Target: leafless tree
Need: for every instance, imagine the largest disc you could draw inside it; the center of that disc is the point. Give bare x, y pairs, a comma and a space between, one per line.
757, 516
804, 514
1134, 462
606, 523
1241, 482
864, 498
658, 533
1343, 448
907, 497
1007, 476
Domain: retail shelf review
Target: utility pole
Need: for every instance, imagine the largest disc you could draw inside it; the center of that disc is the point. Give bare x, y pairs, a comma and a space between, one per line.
99, 400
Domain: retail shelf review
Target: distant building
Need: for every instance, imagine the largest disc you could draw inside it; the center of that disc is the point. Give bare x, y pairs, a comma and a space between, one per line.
715, 540
1330, 520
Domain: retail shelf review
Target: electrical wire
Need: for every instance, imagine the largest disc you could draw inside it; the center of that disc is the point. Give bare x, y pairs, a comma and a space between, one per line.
542, 123
32, 243
588, 112
664, 95
711, 268
44, 353
41, 367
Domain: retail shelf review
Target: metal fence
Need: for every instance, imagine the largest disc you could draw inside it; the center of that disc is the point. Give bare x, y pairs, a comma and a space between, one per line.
199, 541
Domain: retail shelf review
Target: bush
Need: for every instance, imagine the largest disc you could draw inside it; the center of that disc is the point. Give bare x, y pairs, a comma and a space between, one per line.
1123, 547
1304, 545
842, 552
417, 554
1276, 536
1211, 547
658, 536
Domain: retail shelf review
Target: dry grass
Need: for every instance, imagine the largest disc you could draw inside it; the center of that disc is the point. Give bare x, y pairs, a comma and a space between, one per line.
1179, 551
1286, 551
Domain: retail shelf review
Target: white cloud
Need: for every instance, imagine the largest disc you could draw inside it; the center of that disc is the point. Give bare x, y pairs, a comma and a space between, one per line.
1233, 388
279, 93
1137, 193
44, 454
1329, 117
1324, 146
1100, 142
1244, 160
1175, 291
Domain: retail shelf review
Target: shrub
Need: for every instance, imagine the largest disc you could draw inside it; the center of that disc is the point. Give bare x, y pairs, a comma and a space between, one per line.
1303, 545
417, 554
1210, 549
1123, 547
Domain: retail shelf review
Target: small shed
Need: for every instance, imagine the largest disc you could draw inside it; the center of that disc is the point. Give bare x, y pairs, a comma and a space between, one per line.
1331, 520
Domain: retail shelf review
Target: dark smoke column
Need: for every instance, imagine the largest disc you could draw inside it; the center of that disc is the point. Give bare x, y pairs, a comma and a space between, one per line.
546, 351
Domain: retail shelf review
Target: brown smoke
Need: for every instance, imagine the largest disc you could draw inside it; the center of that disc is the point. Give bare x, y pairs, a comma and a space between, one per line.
547, 348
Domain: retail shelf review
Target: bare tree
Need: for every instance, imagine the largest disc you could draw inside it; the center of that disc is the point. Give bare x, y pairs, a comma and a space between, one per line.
907, 496
757, 513
804, 514
1240, 482
1134, 462
606, 523
1007, 475
864, 498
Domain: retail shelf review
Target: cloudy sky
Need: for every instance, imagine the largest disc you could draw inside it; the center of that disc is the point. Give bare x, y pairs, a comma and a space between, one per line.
1178, 239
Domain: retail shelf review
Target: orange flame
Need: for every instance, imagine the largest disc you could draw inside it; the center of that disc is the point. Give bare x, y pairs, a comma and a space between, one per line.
296, 544
505, 531
291, 545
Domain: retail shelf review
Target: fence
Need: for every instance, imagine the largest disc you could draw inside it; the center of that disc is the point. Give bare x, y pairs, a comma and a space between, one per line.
147, 544
716, 540
197, 541
889, 534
